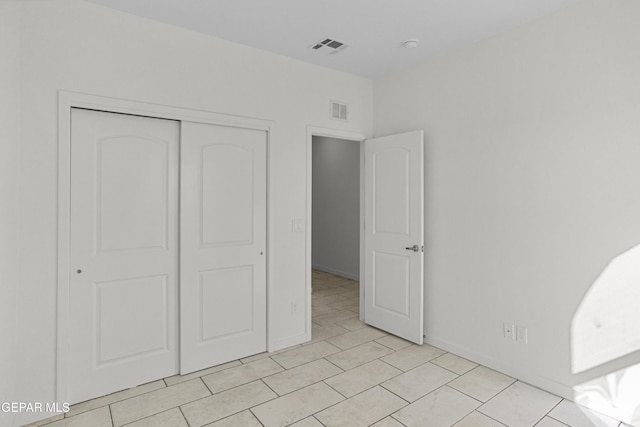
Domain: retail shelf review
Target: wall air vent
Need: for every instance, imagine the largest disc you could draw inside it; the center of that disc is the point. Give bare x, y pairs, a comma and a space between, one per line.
339, 111
328, 46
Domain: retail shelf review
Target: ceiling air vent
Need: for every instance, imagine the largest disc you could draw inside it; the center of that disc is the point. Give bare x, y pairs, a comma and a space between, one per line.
339, 111
328, 46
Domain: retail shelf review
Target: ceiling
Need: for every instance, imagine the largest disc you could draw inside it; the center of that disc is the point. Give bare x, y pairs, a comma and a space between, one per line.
373, 29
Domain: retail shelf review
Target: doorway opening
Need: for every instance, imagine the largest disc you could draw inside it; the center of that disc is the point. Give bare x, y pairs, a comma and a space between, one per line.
391, 257
335, 233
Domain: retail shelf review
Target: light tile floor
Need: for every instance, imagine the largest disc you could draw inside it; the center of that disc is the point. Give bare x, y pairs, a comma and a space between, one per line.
349, 374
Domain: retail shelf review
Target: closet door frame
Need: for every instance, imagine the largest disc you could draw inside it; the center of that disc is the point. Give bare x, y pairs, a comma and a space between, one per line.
68, 100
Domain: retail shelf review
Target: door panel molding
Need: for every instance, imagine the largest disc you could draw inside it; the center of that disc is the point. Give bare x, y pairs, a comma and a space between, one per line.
68, 100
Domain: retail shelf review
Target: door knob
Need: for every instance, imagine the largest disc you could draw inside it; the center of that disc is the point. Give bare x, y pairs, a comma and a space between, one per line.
414, 248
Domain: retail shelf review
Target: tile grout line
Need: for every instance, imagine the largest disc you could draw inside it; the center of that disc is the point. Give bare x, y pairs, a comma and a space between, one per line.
329, 361
148, 416
254, 416
515, 380
422, 397
547, 415
394, 418
488, 416
269, 387
116, 401
357, 394
554, 407
111, 416
453, 372
184, 416
276, 362
395, 394
204, 374
475, 398
314, 417
206, 386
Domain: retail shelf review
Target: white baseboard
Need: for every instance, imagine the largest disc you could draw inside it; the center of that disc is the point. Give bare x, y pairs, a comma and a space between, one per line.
344, 274
520, 373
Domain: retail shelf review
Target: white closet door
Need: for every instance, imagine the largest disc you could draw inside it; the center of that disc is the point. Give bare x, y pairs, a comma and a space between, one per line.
124, 255
223, 244
394, 224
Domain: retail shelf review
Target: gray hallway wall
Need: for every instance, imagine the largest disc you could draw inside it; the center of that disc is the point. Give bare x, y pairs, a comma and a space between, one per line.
336, 206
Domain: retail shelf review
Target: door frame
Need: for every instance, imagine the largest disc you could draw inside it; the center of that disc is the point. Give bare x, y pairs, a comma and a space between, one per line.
68, 100
349, 136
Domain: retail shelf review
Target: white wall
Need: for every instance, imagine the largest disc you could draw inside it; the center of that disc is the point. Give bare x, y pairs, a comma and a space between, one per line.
336, 206
77, 46
9, 192
532, 177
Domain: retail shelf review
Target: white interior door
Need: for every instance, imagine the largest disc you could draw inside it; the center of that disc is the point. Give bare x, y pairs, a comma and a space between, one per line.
123, 252
394, 220
223, 244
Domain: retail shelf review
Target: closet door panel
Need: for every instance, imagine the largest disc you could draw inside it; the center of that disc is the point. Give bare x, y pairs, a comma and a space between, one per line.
123, 292
223, 244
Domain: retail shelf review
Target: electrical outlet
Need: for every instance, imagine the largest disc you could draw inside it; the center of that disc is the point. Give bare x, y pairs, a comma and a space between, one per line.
508, 330
522, 334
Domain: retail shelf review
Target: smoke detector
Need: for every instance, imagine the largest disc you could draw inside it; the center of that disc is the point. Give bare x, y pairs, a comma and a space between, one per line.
410, 43
329, 46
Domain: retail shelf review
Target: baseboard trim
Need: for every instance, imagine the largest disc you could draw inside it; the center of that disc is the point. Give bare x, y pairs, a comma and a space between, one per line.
546, 384
340, 273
